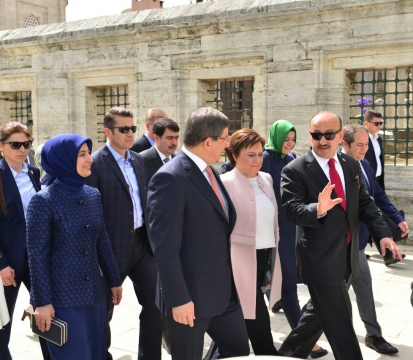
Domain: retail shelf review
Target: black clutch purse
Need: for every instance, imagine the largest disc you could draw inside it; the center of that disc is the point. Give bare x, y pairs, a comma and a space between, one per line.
57, 333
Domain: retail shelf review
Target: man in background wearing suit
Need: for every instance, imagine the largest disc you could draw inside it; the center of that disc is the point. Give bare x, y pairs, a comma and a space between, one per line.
324, 196
166, 135
373, 121
146, 141
121, 178
355, 144
191, 219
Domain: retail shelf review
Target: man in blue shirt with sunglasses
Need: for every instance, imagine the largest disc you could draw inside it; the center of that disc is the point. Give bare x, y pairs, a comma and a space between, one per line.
121, 177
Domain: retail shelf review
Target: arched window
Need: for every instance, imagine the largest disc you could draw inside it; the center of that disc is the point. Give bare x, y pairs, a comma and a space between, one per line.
31, 21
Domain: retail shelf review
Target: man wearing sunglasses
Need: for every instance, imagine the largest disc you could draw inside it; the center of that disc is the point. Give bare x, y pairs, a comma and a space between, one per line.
146, 141
323, 195
373, 121
121, 177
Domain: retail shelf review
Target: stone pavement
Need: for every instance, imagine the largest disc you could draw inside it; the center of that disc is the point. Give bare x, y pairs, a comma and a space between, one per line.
391, 291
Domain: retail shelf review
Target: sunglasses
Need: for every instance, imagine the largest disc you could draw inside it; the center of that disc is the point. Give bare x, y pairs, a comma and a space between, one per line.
328, 135
16, 145
125, 129
376, 123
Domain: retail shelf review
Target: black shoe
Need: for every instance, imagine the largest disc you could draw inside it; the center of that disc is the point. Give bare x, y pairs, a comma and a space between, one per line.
391, 260
318, 353
380, 345
367, 256
276, 308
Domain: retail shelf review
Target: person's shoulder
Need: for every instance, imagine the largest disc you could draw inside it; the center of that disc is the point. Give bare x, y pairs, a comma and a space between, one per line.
228, 176
97, 154
148, 153
265, 176
91, 191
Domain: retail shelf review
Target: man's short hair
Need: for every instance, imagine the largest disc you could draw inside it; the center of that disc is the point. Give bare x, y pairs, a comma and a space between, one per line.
371, 114
203, 123
109, 119
350, 130
161, 124
154, 114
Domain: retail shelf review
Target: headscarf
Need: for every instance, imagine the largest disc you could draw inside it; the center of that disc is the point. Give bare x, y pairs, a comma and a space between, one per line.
278, 132
59, 159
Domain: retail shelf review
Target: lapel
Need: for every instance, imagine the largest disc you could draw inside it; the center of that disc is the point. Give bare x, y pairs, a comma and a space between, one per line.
348, 174
141, 176
370, 175
9, 184
156, 159
198, 178
110, 160
315, 168
33, 178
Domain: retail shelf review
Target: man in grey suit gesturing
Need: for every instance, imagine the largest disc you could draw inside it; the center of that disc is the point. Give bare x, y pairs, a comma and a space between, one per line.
191, 218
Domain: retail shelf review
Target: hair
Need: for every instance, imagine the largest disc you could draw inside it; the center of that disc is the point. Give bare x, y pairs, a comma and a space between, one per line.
203, 123
154, 114
371, 114
109, 119
242, 139
350, 130
328, 112
8, 129
161, 124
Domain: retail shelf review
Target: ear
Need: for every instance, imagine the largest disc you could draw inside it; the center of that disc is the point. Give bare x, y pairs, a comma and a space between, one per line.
156, 138
147, 126
108, 132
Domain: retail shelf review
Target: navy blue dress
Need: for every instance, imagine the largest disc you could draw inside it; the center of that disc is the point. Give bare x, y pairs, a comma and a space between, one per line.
68, 247
273, 164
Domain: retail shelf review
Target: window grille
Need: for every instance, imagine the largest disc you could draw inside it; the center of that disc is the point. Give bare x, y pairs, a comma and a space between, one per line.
107, 98
388, 91
21, 108
234, 98
31, 21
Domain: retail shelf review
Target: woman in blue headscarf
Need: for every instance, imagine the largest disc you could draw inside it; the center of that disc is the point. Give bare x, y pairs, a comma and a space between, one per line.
278, 153
69, 250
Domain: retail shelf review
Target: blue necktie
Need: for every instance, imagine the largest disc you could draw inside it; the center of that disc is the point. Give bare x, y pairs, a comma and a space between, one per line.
364, 179
166, 160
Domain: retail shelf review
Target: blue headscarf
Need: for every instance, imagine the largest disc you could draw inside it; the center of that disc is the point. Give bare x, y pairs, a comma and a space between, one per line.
59, 160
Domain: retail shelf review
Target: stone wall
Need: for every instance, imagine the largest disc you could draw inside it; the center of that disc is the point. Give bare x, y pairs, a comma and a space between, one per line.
300, 54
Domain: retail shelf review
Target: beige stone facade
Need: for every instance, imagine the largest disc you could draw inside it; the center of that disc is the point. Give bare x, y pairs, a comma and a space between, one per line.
303, 56
23, 13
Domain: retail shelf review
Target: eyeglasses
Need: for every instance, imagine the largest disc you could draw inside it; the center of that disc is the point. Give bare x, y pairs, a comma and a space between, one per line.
16, 145
216, 137
125, 129
328, 135
376, 123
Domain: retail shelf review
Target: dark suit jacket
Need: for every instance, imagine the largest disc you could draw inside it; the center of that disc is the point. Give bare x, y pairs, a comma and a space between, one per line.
381, 200
108, 178
141, 144
13, 250
322, 243
371, 158
153, 161
190, 238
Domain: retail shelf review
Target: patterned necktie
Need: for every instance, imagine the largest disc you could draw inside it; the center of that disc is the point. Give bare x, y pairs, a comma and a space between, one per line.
166, 160
335, 179
364, 179
214, 185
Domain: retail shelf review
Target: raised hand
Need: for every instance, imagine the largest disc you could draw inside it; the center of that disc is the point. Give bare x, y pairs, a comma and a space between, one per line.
325, 202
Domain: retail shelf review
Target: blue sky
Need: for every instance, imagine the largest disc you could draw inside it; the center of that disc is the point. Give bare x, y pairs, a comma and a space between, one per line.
84, 9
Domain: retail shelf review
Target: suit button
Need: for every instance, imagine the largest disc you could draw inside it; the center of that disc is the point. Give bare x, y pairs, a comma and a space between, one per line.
87, 278
86, 252
87, 227
132, 231
80, 202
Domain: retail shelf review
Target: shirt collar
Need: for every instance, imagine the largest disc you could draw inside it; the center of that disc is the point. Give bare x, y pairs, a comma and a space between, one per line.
323, 162
196, 159
162, 156
152, 141
373, 137
116, 155
25, 169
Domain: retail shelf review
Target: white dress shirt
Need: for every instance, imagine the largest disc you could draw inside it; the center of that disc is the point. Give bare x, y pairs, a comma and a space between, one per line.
377, 152
162, 156
25, 186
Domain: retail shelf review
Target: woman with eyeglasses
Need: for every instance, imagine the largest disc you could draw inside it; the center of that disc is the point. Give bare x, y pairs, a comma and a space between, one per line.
255, 235
18, 183
278, 153
69, 251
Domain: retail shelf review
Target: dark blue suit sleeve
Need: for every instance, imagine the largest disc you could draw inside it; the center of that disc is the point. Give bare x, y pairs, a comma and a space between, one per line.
166, 204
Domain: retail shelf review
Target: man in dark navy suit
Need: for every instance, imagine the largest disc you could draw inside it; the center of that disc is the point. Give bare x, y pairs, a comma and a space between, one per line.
166, 136
355, 144
146, 141
191, 219
121, 178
